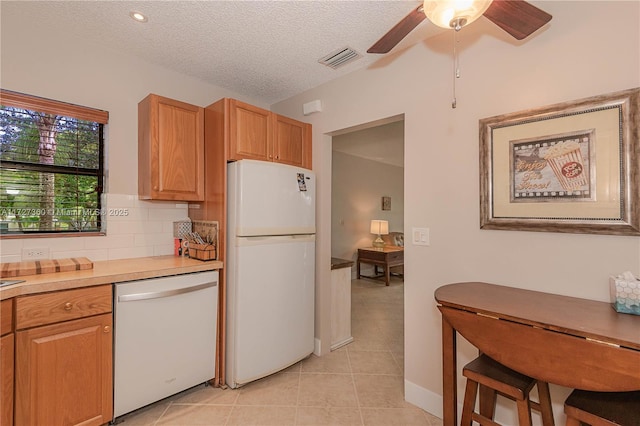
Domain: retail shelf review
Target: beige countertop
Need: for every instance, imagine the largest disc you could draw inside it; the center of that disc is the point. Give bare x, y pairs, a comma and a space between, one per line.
106, 272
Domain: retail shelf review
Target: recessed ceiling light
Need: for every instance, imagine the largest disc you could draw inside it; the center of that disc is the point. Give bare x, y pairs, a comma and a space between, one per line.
138, 16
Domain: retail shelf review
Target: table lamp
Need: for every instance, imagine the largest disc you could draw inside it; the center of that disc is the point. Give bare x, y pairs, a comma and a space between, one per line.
379, 227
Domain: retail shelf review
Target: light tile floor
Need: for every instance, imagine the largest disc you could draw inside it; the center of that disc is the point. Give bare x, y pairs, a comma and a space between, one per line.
359, 384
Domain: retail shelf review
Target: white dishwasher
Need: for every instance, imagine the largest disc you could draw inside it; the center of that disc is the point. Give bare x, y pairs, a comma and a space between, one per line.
165, 337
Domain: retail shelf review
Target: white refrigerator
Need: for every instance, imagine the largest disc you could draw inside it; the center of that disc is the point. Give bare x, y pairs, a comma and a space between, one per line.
270, 268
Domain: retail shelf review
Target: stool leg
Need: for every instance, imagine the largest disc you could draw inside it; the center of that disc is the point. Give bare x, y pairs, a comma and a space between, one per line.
488, 399
469, 403
545, 403
524, 412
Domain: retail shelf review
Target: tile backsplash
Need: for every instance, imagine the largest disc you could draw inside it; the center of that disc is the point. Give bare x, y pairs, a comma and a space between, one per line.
134, 228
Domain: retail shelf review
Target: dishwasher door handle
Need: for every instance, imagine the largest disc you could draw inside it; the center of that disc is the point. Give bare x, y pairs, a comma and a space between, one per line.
165, 293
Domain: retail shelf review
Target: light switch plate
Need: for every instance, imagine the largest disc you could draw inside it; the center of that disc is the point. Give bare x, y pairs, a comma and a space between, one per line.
420, 236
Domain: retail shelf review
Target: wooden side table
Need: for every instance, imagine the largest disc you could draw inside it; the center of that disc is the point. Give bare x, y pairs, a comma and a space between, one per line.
385, 257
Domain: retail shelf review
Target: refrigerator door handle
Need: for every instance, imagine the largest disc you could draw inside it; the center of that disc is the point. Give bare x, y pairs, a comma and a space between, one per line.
276, 239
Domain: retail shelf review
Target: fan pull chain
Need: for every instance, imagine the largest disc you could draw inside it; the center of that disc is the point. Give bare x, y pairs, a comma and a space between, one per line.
456, 67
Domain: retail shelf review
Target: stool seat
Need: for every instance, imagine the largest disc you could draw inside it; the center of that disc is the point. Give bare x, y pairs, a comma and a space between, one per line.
603, 408
495, 378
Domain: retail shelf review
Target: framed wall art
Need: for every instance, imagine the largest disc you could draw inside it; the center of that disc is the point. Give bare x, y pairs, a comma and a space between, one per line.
386, 203
571, 167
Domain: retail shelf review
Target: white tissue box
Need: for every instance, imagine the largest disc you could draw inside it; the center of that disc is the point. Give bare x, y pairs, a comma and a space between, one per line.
625, 295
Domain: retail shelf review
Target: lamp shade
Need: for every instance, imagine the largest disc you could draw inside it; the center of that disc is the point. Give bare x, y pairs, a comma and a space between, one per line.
450, 13
379, 227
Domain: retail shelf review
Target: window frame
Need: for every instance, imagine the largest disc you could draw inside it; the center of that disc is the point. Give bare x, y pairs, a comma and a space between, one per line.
29, 102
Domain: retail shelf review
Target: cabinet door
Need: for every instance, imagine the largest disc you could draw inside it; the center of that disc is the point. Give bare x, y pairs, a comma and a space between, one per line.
249, 132
171, 150
64, 373
292, 141
6, 374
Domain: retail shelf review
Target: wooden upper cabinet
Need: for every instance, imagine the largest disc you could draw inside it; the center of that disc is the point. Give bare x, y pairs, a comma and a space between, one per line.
170, 150
258, 134
291, 141
249, 132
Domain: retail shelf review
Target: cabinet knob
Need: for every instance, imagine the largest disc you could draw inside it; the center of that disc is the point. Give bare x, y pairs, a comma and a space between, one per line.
106, 329
68, 306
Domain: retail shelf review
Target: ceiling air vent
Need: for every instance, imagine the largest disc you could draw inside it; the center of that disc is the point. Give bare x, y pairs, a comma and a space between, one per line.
339, 57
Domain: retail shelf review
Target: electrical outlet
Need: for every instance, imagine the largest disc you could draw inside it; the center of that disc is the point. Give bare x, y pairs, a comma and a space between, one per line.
35, 253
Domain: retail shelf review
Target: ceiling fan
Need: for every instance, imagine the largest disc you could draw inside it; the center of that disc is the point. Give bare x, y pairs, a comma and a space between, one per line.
517, 17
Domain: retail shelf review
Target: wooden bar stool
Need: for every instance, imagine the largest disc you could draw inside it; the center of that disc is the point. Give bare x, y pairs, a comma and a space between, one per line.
494, 378
603, 408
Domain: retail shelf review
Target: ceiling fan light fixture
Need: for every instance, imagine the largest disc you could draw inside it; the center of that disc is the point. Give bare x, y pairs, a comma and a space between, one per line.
454, 13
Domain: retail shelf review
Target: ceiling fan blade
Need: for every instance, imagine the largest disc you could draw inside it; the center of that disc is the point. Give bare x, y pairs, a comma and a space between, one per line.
398, 32
517, 17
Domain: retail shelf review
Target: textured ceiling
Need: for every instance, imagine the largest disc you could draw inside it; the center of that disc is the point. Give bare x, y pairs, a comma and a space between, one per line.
267, 50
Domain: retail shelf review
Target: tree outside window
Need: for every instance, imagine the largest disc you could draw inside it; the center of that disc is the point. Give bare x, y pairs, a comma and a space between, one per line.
51, 166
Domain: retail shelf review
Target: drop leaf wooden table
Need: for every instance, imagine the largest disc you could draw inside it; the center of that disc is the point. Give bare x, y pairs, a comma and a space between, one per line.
572, 342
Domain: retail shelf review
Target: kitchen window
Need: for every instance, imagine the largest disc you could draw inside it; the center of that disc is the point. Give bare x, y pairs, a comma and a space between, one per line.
51, 166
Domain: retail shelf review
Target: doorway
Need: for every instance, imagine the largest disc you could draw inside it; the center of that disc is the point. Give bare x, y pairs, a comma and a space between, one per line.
368, 184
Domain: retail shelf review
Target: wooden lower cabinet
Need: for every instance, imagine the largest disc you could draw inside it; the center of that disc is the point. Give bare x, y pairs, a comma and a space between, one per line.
64, 373
6, 370
7, 345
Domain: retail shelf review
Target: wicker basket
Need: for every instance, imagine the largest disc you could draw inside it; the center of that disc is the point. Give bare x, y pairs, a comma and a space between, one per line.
202, 251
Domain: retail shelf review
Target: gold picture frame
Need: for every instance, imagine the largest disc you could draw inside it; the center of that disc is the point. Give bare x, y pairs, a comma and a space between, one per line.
571, 167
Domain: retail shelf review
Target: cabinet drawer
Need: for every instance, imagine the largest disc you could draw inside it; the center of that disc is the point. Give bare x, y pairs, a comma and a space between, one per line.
395, 256
60, 306
6, 316
371, 255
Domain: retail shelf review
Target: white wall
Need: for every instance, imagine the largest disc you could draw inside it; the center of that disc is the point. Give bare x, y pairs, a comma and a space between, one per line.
589, 48
357, 188
51, 66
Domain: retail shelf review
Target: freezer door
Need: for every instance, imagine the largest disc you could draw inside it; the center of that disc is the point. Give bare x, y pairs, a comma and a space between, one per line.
270, 199
270, 309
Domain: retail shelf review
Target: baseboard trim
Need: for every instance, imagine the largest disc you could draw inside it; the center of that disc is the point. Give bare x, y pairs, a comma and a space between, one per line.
317, 345
341, 343
423, 398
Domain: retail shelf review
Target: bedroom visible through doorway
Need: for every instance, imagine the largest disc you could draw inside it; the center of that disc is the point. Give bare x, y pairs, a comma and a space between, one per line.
367, 190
